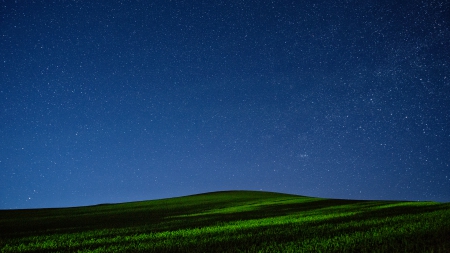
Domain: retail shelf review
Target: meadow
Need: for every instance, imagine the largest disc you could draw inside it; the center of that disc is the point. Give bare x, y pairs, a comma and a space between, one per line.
233, 221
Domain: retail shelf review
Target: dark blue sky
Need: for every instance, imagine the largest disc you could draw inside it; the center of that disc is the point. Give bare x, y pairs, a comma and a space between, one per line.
114, 101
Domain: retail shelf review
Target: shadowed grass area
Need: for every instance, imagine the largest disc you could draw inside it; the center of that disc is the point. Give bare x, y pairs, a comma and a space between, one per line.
231, 221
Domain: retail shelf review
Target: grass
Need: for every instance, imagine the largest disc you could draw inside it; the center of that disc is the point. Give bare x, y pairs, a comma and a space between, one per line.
234, 221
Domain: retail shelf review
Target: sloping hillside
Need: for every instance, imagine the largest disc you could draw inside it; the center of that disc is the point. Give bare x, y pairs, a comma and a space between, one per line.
231, 221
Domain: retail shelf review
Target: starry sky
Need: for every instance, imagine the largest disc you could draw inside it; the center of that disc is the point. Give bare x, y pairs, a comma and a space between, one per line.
117, 101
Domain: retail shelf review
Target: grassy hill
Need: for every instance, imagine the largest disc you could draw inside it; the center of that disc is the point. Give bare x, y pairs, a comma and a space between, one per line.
232, 221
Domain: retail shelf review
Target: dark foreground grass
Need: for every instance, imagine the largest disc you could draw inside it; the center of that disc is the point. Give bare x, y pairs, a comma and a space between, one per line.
235, 221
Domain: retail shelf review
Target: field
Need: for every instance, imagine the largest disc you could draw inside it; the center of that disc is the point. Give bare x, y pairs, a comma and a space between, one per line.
234, 221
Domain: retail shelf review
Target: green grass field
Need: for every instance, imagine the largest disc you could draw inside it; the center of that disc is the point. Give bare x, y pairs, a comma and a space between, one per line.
234, 221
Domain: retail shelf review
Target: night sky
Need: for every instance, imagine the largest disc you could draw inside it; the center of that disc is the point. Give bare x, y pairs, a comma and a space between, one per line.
117, 101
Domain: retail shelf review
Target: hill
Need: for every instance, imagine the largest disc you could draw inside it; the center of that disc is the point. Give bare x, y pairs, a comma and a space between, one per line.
231, 221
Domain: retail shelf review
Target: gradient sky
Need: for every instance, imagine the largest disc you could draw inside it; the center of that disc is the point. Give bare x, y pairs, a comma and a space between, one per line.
115, 101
